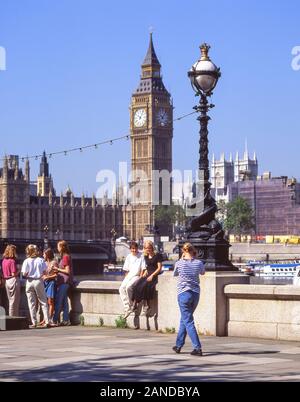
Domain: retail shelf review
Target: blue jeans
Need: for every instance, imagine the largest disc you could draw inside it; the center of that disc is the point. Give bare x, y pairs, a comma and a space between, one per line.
61, 302
188, 302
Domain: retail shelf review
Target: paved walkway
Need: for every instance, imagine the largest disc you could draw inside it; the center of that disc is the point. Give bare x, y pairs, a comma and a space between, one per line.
108, 354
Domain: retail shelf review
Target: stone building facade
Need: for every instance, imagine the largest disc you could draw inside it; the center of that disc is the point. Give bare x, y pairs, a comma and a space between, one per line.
275, 202
225, 172
24, 215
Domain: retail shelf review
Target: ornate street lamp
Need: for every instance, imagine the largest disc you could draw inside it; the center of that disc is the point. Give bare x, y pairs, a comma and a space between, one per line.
57, 234
46, 244
113, 236
204, 231
204, 76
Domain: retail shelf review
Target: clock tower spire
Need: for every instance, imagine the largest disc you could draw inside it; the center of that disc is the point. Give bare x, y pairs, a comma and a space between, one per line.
151, 62
151, 132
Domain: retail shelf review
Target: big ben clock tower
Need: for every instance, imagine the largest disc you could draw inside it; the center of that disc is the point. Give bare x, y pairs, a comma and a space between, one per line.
151, 132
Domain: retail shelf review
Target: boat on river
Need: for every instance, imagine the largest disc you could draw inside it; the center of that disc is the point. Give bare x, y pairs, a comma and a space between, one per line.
287, 269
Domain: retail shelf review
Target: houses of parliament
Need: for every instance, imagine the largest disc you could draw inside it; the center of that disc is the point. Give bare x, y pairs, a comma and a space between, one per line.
31, 211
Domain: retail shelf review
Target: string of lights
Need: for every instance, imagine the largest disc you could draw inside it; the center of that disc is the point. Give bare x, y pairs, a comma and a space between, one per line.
91, 146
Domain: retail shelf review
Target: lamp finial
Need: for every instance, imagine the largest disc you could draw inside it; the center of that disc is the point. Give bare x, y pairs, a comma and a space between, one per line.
204, 51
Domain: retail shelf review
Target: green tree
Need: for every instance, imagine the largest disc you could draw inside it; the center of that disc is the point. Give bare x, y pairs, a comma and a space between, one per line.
222, 208
239, 217
169, 214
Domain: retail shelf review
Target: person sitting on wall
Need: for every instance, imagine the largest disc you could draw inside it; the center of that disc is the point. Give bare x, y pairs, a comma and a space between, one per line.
145, 287
133, 266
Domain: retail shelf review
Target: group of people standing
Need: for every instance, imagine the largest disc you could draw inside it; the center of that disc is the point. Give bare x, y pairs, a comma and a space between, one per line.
47, 281
141, 277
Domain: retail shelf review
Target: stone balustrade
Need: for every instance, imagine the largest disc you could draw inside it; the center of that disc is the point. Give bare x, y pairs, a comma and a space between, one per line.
228, 306
264, 311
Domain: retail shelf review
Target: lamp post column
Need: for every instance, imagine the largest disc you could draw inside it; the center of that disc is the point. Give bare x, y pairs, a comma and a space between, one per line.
204, 231
203, 141
46, 243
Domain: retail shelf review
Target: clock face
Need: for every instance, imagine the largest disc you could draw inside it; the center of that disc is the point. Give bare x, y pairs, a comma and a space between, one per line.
162, 117
140, 117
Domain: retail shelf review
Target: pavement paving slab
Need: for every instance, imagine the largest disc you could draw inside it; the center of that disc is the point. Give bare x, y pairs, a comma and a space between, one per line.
79, 353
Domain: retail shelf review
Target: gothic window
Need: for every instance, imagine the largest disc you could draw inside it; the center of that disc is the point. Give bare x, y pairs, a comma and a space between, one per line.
21, 216
144, 168
164, 147
219, 181
11, 217
139, 149
109, 217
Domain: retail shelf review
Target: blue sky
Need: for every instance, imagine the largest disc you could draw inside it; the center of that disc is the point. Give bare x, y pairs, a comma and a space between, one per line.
72, 66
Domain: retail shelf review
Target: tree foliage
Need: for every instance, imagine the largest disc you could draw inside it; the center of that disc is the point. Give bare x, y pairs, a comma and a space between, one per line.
239, 217
169, 214
221, 214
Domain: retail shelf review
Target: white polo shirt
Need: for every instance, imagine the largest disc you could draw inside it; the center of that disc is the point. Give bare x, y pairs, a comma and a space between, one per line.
134, 264
34, 267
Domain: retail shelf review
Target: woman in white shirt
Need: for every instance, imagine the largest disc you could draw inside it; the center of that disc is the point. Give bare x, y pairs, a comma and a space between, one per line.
133, 266
33, 269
